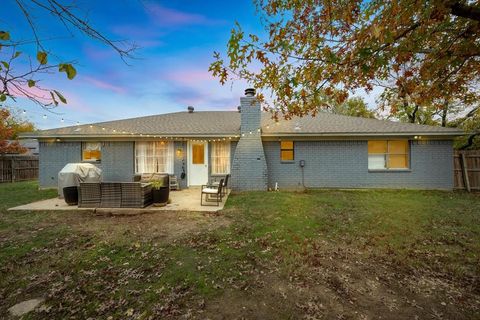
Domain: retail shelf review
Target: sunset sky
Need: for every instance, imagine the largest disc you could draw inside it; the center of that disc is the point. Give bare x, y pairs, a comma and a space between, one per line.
170, 69
169, 72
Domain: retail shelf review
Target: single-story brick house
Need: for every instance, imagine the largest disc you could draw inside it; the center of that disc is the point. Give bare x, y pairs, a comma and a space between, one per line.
327, 150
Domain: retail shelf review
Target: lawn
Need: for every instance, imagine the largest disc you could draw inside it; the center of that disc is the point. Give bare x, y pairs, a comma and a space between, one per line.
322, 254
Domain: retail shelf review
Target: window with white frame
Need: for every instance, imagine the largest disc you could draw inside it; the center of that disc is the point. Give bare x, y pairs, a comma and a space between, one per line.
91, 151
221, 157
154, 157
388, 154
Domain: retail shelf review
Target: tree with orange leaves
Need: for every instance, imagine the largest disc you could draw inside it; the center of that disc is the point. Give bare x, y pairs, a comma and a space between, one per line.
426, 52
10, 126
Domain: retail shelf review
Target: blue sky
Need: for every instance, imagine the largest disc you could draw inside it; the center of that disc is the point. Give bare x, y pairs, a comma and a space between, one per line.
170, 71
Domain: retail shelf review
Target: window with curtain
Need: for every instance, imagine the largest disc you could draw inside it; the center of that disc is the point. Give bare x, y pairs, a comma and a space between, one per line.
91, 151
287, 151
154, 157
221, 157
388, 154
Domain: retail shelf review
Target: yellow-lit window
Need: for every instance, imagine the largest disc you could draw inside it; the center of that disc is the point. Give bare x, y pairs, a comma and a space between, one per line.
388, 154
198, 153
286, 151
91, 151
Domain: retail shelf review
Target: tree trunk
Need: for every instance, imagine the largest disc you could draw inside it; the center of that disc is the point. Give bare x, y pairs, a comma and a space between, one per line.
444, 114
412, 117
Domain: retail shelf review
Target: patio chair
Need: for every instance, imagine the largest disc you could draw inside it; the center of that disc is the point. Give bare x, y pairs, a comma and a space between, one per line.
174, 183
212, 194
215, 184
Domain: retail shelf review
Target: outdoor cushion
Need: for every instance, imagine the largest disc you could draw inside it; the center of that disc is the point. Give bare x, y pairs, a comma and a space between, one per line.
158, 176
210, 190
146, 176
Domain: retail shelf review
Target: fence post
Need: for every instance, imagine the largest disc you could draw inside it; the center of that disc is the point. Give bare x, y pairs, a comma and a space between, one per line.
466, 181
12, 170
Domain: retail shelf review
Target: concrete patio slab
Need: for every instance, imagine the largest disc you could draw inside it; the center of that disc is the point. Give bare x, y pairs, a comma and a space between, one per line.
184, 200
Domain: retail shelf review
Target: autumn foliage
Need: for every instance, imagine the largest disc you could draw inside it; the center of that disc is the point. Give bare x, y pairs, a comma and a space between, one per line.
423, 53
10, 126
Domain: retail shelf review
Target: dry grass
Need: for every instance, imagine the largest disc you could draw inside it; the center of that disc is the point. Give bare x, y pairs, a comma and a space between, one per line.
320, 254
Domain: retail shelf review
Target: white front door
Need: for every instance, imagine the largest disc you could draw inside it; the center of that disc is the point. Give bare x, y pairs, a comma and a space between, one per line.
197, 163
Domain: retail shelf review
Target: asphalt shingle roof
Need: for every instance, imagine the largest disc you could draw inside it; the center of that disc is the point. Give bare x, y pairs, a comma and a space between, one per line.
227, 123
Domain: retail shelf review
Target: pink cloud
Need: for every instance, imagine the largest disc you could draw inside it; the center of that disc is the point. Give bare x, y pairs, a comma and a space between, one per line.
173, 17
43, 96
104, 85
75, 103
189, 77
23, 90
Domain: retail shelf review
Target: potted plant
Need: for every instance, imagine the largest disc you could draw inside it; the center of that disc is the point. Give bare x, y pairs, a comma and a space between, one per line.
70, 194
160, 191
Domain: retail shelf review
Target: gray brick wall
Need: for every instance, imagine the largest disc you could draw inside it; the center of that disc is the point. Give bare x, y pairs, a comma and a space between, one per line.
118, 160
330, 164
53, 156
344, 164
249, 167
250, 114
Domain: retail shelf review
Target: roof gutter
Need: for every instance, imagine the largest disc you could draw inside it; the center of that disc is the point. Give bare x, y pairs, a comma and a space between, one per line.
369, 134
236, 135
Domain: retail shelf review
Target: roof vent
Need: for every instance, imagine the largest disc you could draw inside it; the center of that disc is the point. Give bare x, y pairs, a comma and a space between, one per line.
250, 92
239, 108
190, 109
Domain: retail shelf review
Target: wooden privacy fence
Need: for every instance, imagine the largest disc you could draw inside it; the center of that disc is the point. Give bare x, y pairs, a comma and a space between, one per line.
18, 168
467, 169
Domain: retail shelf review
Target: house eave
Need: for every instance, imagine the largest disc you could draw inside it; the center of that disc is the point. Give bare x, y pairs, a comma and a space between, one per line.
233, 135
364, 134
124, 137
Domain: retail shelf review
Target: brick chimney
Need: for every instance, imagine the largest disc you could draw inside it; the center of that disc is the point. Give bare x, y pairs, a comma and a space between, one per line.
249, 167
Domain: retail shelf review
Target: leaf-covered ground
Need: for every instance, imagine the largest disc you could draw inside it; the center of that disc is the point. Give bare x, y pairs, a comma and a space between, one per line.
313, 255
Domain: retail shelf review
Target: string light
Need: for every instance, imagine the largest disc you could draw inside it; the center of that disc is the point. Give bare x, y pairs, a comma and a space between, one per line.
116, 130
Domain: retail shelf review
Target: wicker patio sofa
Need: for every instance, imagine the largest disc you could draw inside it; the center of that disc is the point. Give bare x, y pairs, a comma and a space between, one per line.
114, 195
